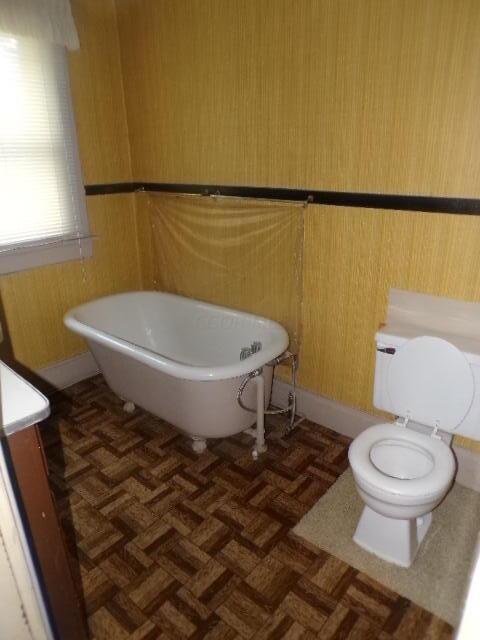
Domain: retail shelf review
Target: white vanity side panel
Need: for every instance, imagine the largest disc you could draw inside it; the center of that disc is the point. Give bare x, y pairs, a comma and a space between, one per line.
20, 593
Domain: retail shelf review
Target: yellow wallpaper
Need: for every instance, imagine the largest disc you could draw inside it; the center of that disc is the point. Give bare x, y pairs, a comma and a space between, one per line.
376, 95
352, 258
370, 95
146, 253
35, 301
97, 93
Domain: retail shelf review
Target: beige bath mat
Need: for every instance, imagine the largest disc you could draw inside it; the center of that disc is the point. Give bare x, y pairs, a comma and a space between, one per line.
438, 577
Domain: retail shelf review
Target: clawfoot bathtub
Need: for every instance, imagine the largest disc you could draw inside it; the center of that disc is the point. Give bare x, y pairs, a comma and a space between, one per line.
181, 359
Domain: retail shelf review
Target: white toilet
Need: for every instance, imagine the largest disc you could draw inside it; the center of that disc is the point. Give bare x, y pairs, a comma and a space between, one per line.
404, 469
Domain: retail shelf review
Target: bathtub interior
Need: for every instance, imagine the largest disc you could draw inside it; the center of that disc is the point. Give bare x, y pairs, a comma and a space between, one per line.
185, 330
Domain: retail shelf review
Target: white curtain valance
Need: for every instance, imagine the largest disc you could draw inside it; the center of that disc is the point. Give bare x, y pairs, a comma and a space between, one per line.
49, 20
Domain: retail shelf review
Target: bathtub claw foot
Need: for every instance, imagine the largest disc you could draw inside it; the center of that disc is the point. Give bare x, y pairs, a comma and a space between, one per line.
256, 451
129, 407
199, 445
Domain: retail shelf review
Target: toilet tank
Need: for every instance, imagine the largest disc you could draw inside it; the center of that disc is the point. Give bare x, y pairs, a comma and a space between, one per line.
392, 337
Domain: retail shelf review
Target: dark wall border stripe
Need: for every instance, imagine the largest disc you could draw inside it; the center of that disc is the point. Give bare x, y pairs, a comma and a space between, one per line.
113, 187
432, 204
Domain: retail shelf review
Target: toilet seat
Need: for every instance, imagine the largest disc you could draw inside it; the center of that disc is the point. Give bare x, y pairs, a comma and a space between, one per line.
431, 382
394, 489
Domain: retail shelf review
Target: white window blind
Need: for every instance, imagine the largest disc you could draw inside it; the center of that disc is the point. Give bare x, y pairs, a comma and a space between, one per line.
42, 201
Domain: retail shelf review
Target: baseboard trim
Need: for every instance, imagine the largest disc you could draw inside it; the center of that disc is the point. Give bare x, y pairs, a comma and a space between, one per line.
351, 422
64, 373
332, 414
468, 467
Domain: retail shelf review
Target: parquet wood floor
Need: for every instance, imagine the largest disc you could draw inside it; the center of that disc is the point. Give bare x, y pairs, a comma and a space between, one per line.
169, 545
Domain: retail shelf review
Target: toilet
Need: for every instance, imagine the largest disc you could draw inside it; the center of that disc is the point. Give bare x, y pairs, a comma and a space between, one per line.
403, 469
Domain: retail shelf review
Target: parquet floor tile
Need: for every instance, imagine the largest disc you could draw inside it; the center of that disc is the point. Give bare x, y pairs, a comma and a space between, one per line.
168, 545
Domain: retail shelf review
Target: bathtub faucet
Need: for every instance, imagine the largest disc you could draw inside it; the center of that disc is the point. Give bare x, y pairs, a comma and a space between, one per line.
246, 352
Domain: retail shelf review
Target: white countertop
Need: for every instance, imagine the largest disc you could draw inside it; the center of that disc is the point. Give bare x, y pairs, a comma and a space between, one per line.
22, 404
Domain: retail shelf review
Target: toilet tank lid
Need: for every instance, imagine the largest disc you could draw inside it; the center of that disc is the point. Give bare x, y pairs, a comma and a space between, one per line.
395, 335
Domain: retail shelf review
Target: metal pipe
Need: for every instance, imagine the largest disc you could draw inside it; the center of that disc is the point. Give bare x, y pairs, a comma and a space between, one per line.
260, 410
260, 446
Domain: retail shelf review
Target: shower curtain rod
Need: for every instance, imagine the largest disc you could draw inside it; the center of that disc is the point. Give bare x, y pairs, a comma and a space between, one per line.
421, 203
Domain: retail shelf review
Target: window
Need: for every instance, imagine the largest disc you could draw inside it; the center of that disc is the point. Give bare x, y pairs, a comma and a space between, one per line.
42, 202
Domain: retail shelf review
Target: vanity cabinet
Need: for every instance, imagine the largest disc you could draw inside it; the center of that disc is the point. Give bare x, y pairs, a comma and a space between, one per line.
23, 458
29, 472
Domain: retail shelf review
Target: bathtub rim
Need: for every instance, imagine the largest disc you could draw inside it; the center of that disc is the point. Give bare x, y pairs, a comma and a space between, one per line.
171, 366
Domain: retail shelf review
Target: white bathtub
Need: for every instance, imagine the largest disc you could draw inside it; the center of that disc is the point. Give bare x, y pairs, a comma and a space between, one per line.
180, 358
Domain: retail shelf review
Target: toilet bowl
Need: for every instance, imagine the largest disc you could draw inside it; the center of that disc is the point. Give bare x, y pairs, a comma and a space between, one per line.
401, 475
404, 469
401, 469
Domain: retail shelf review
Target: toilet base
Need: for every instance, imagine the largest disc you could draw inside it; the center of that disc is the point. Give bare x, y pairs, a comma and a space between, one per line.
391, 539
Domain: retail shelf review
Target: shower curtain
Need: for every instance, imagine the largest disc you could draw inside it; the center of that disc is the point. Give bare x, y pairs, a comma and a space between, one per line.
241, 253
